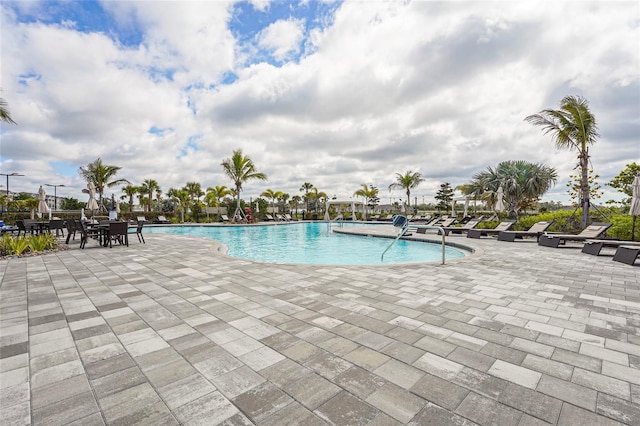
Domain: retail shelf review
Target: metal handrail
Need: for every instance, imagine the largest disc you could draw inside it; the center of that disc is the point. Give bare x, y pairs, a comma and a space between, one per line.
404, 230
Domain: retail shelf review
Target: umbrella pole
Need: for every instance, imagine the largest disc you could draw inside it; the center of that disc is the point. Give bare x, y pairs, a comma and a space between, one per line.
633, 228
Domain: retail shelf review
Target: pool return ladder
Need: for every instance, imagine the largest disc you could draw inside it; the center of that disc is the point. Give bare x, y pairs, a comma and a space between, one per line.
402, 222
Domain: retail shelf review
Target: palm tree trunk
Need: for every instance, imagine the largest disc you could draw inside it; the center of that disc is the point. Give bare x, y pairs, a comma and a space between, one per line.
584, 187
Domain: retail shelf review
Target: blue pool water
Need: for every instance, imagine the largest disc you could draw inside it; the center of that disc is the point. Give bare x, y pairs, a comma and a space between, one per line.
311, 243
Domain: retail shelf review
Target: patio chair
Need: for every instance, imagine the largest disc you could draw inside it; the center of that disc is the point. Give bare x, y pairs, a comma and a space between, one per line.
138, 231
536, 230
118, 231
502, 226
86, 233
21, 227
591, 232
593, 247
58, 225
72, 227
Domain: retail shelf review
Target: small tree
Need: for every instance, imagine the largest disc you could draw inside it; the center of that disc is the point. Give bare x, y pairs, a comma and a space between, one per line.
444, 196
624, 180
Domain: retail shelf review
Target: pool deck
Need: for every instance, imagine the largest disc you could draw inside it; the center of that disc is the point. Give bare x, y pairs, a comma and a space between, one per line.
173, 332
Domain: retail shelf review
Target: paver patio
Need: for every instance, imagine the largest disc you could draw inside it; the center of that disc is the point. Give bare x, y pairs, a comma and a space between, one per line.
172, 332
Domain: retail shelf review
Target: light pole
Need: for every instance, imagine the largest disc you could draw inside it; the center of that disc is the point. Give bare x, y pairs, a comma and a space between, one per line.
7, 175
55, 195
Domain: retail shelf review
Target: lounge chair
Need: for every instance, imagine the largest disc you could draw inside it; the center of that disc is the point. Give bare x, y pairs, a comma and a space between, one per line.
162, 220
460, 229
502, 226
142, 219
268, 217
591, 232
288, 217
224, 218
627, 254
536, 230
594, 247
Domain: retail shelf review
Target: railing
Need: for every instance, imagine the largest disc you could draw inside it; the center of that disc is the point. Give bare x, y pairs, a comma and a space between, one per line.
339, 220
404, 230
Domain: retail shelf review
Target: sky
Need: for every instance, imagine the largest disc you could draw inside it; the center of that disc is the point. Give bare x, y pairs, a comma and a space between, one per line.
334, 93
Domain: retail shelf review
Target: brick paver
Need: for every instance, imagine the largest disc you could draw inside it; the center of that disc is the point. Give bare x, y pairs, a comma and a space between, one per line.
173, 332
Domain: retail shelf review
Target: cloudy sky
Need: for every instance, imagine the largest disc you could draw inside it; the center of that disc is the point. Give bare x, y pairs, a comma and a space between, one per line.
333, 93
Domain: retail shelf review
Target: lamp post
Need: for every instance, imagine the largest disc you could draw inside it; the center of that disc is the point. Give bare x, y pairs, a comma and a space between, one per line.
55, 195
7, 175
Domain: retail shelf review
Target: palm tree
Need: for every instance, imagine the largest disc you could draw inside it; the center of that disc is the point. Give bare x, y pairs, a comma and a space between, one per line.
240, 169
181, 199
522, 182
4, 112
295, 200
408, 181
101, 175
273, 195
148, 187
130, 191
306, 187
572, 127
283, 197
215, 195
367, 193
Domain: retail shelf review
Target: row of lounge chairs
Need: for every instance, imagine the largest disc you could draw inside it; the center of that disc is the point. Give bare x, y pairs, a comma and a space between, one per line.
626, 251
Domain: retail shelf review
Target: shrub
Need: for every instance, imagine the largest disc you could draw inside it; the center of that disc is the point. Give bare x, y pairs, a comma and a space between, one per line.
14, 245
42, 242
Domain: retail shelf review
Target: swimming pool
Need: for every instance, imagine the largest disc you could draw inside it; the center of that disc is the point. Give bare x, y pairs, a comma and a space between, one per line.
311, 243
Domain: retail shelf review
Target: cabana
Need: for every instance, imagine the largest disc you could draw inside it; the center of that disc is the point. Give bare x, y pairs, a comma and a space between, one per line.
353, 204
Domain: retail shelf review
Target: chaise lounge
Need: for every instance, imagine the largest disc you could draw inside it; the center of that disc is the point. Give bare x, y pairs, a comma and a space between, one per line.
627, 254
505, 225
536, 230
461, 229
591, 232
594, 247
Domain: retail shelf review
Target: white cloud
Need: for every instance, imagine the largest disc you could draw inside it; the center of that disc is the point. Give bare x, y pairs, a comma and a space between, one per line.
438, 87
282, 38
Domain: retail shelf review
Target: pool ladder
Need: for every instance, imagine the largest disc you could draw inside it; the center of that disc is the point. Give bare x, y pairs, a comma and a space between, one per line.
404, 231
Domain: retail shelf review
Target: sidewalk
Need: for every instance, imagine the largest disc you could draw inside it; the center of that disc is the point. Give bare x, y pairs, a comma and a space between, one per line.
171, 332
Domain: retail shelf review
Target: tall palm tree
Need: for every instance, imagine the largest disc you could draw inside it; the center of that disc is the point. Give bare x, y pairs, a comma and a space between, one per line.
130, 191
306, 187
240, 169
102, 176
572, 127
408, 181
148, 187
4, 112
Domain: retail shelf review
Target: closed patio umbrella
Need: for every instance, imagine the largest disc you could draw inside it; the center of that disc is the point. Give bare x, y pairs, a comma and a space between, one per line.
92, 204
42, 201
635, 204
500, 200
